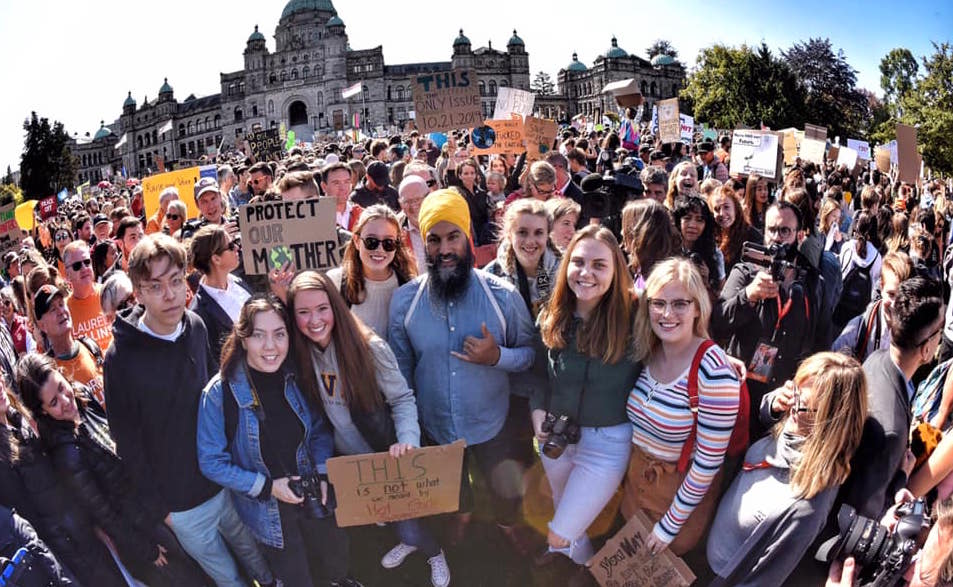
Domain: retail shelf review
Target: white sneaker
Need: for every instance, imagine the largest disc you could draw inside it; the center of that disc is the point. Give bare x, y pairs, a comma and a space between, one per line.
439, 571
396, 556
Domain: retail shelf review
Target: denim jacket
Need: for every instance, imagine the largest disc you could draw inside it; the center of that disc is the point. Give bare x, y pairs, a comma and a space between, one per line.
240, 467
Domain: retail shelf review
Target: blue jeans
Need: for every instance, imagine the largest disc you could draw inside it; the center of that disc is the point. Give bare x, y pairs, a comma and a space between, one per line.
202, 532
583, 480
415, 533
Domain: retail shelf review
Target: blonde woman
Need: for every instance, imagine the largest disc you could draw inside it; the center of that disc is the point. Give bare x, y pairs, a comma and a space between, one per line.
780, 501
677, 487
682, 181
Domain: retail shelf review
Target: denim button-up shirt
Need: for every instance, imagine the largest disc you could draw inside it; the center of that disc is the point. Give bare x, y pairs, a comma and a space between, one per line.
457, 399
240, 467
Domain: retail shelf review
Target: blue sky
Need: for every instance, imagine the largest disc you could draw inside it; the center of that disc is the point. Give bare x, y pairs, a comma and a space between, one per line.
75, 61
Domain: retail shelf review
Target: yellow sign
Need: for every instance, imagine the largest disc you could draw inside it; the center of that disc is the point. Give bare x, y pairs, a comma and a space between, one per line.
24, 214
181, 179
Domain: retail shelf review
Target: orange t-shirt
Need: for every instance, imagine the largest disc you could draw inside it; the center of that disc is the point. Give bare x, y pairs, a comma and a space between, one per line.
82, 368
89, 320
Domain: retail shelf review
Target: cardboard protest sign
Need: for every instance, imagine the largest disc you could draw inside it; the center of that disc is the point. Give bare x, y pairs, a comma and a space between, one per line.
754, 152
813, 150
862, 148
182, 180
812, 131
908, 161
624, 560
892, 149
539, 134
789, 145
301, 232
266, 144
498, 136
47, 207
379, 488
833, 152
847, 156
24, 215
882, 158
669, 124
511, 101
447, 101
9, 230
686, 128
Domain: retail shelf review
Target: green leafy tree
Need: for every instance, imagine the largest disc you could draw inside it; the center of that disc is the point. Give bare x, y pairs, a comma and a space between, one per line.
8, 178
47, 165
930, 107
832, 99
661, 47
898, 76
731, 86
543, 84
10, 193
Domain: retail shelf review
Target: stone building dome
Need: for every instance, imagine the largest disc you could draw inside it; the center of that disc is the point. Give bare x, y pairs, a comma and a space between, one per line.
576, 65
166, 88
461, 40
296, 6
256, 36
516, 40
129, 101
662, 59
615, 51
103, 132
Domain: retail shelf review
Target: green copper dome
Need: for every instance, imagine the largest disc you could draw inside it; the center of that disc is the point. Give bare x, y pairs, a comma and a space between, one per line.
296, 6
256, 36
516, 40
662, 59
103, 132
615, 51
461, 40
335, 21
577, 65
129, 101
166, 88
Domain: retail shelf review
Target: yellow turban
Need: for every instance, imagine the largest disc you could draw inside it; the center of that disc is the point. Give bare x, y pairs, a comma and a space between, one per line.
444, 205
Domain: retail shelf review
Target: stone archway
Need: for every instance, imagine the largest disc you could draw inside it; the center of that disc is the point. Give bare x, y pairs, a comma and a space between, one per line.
297, 114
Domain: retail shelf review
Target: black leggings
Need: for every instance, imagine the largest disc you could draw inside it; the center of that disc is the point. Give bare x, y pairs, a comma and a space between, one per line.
306, 539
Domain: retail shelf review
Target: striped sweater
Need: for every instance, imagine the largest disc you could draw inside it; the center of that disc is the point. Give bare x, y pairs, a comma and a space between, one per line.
662, 422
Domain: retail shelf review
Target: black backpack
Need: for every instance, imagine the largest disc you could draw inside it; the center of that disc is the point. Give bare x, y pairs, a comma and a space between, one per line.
856, 295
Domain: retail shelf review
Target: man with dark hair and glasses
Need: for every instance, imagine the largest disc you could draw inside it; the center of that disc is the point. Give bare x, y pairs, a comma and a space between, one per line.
764, 318
83, 302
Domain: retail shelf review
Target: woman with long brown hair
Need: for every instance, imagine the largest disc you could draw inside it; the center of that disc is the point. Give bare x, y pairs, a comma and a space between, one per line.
780, 500
649, 235
755, 203
586, 329
354, 375
375, 263
732, 229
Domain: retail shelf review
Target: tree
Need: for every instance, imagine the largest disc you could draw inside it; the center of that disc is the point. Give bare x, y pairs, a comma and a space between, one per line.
732, 86
8, 178
661, 47
543, 84
832, 99
46, 165
930, 107
898, 76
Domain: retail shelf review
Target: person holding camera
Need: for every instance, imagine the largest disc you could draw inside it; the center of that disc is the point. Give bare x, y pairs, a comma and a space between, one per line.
261, 437
780, 500
579, 418
683, 408
770, 306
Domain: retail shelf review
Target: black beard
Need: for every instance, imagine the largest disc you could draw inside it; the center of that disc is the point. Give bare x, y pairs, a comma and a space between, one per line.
450, 284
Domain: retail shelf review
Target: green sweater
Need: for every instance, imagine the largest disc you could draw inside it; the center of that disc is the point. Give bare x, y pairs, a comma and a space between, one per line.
606, 387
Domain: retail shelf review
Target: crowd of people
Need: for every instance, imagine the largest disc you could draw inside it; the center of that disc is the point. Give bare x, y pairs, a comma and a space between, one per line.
736, 358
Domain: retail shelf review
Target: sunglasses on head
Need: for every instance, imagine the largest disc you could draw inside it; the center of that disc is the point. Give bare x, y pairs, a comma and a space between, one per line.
80, 264
372, 242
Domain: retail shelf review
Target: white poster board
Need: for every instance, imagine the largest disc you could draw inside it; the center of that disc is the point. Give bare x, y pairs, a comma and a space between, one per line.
510, 101
862, 148
687, 128
754, 152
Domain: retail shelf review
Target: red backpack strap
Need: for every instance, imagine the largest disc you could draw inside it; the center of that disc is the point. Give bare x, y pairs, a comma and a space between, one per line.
689, 445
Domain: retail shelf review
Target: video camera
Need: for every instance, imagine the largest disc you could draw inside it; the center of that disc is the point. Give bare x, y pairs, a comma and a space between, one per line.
881, 555
776, 260
604, 196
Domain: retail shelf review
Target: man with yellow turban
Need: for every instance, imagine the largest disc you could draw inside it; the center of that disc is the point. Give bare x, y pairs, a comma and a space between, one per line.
458, 332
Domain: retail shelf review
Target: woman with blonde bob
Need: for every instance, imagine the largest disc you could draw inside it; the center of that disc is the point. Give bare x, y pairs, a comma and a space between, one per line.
780, 501
683, 181
586, 329
375, 263
677, 490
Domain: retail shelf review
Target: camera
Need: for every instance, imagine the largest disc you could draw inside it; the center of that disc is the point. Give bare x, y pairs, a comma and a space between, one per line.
562, 431
604, 196
776, 260
309, 487
881, 555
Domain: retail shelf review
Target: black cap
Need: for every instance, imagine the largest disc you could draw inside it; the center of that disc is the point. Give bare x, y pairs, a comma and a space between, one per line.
706, 147
99, 219
43, 299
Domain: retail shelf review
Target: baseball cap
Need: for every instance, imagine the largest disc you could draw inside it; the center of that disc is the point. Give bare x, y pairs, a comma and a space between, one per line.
205, 184
99, 219
379, 173
43, 299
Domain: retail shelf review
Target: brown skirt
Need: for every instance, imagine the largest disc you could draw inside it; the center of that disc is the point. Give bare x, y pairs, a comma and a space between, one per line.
651, 485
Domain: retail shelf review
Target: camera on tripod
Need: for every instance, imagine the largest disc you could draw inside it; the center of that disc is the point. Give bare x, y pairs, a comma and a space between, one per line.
882, 556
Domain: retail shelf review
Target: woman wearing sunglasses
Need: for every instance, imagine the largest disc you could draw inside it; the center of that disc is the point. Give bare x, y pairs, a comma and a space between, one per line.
220, 295
374, 265
781, 499
61, 237
174, 218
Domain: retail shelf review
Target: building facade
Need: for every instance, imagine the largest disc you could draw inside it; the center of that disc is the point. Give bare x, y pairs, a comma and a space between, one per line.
97, 155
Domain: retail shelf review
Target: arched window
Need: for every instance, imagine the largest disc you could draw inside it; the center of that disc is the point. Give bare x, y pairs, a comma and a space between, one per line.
400, 92
482, 88
388, 93
272, 78
238, 115
199, 127
503, 83
367, 92
208, 121
492, 87
306, 71
181, 129
155, 136
294, 74
409, 91
85, 161
284, 75
271, 106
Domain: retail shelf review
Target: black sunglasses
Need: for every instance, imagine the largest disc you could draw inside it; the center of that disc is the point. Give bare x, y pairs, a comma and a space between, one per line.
372, 242
431, 183
80, 264
172, 216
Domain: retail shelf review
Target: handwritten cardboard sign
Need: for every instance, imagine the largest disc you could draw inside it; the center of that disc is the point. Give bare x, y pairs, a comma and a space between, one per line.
686, 128
862, 148
377, 487
813, 131
539, 134
266, 144
813, 149
182, 180
789, 145
9, 229
882, 158
669, 123
447, 101
498, 136
511, 101
908, 161
754, 152
299, 231
624, 560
